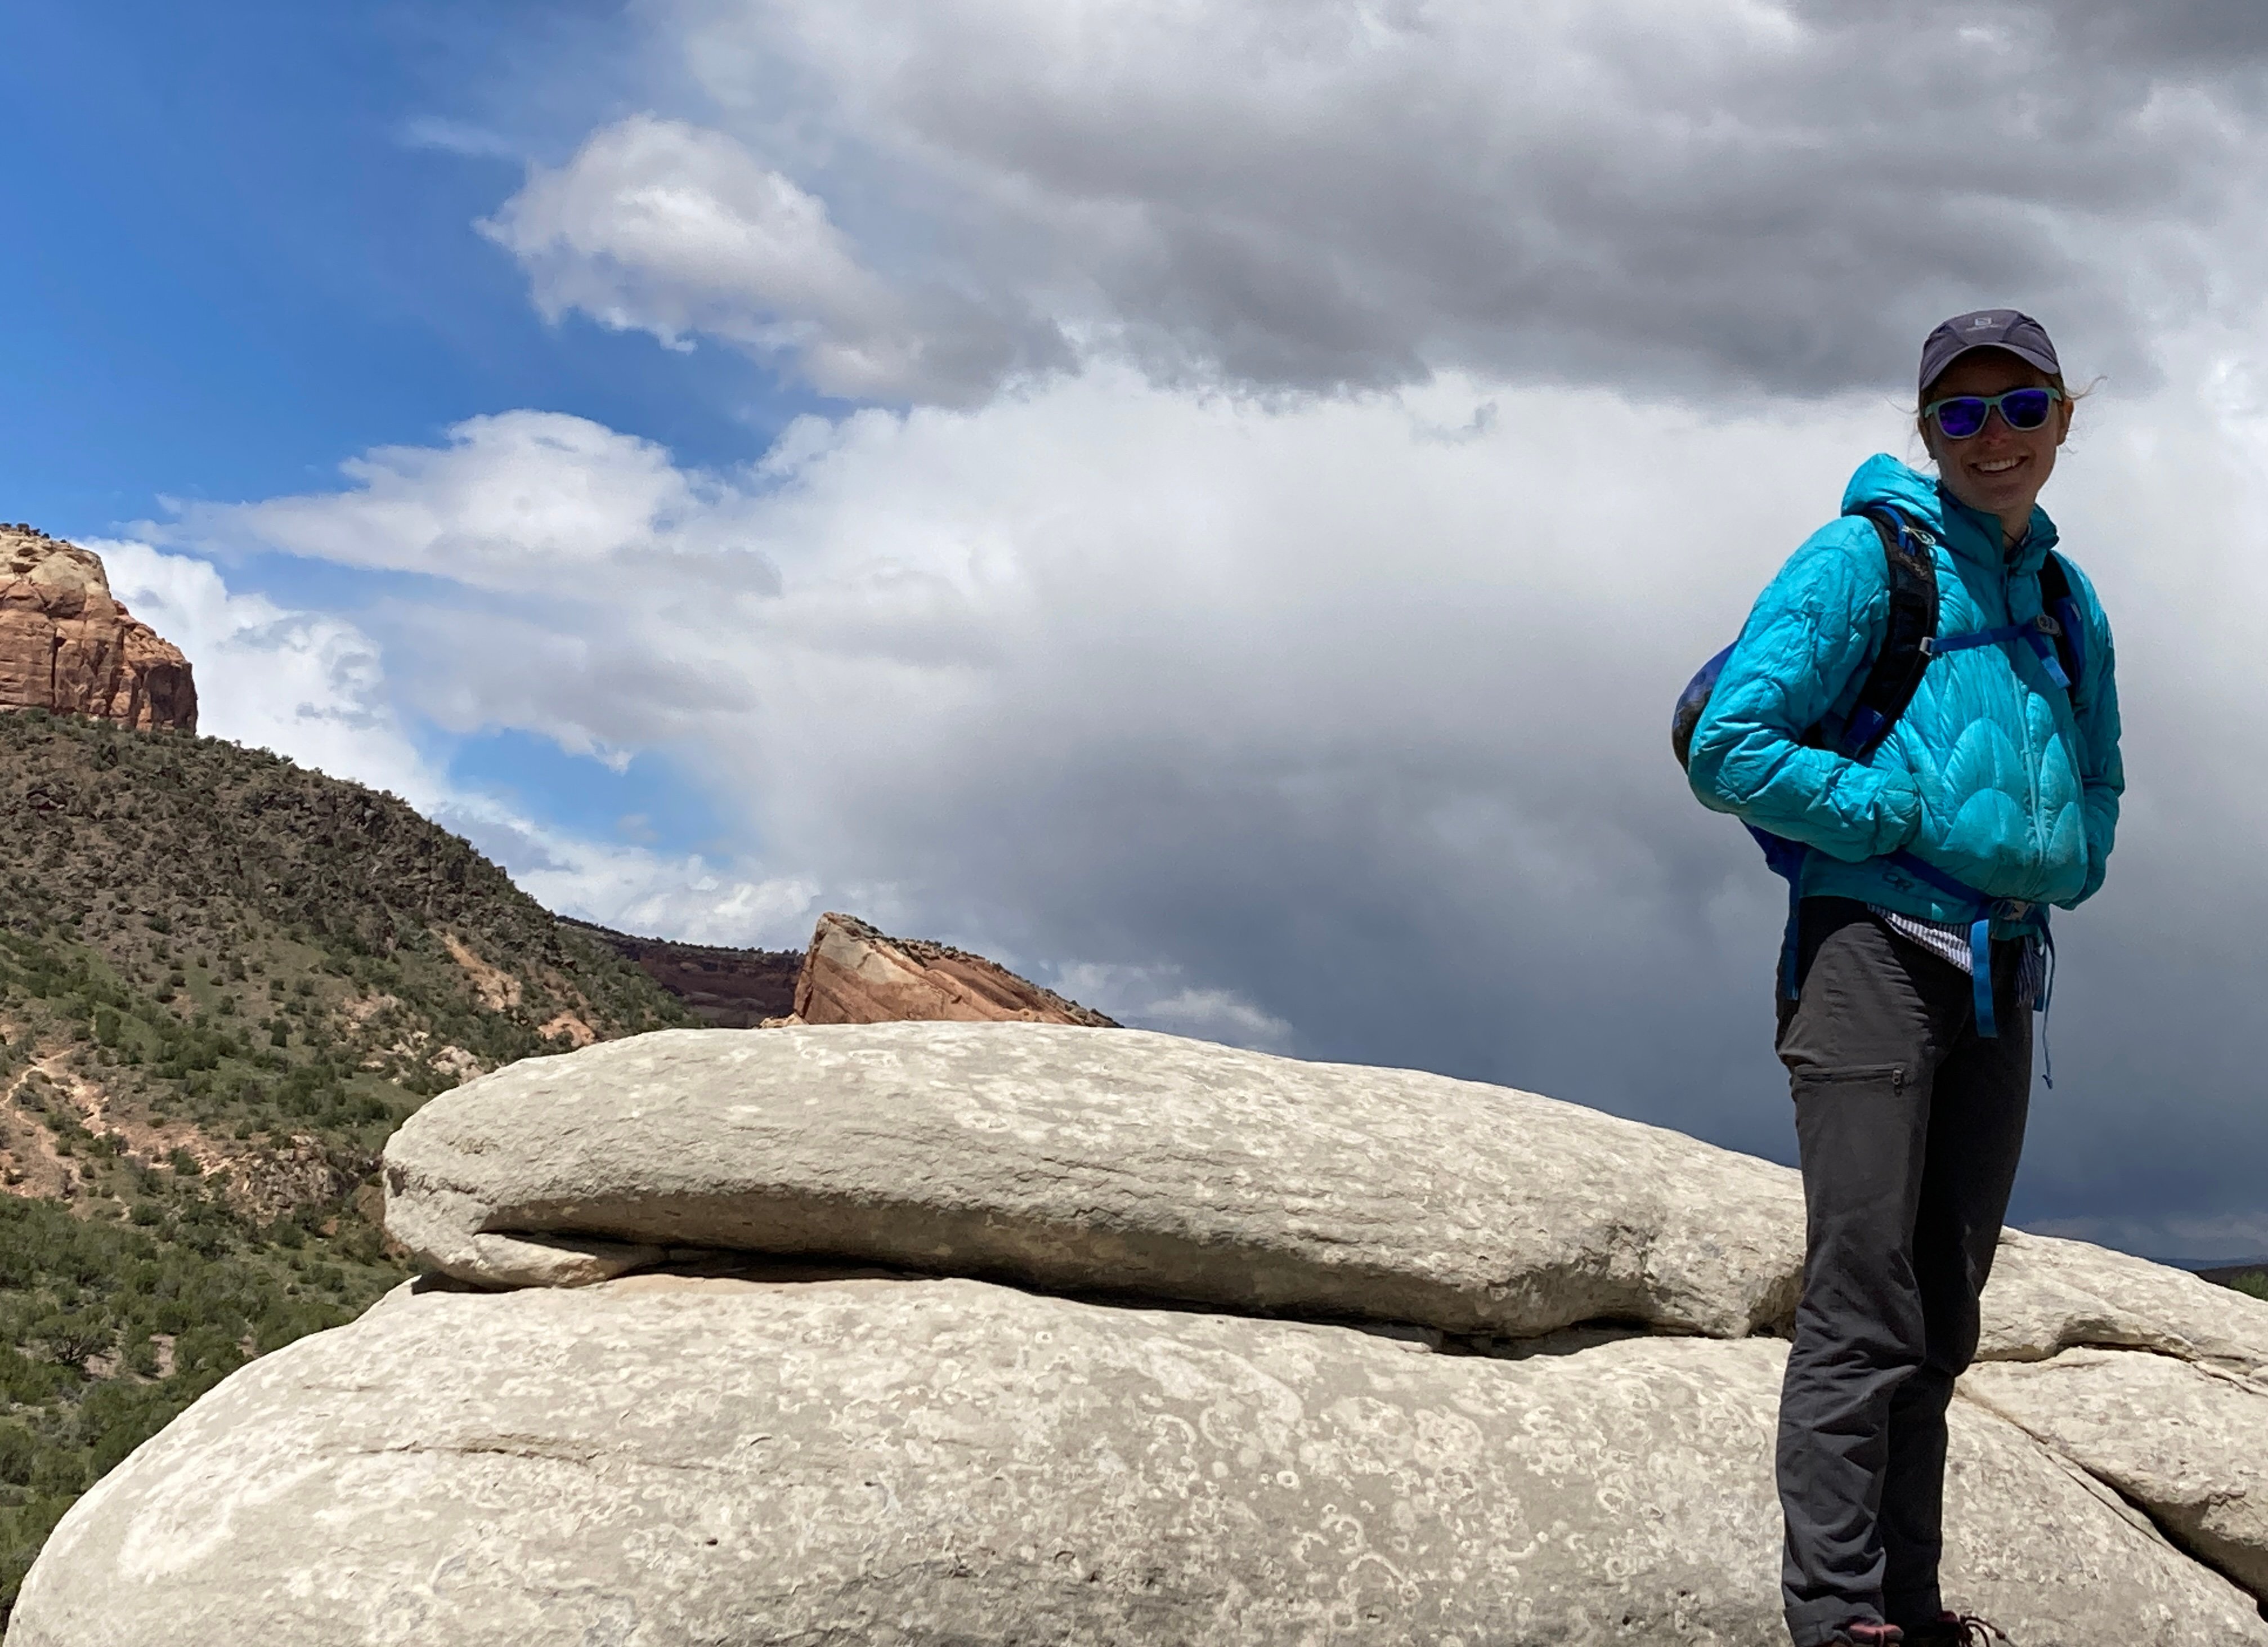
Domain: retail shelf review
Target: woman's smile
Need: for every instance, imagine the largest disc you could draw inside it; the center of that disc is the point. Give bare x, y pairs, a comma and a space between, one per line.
1998, 471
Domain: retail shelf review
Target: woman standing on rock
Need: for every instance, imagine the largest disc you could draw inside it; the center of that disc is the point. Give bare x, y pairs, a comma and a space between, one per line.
1920, 716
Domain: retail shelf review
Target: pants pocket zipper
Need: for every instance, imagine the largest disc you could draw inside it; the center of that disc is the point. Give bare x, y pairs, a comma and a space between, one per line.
1856, 1071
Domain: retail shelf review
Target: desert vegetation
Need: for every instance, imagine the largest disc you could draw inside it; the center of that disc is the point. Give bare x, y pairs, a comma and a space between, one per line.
224, 981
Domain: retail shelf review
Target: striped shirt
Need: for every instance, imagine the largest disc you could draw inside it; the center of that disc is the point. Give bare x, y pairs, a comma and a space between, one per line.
1949, 941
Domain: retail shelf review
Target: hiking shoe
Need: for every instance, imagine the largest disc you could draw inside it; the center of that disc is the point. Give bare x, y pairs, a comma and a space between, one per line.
1866, 1633
1956, 1629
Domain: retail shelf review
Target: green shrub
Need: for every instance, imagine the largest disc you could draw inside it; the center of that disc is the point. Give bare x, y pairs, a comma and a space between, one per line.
18, 1450
60, 1471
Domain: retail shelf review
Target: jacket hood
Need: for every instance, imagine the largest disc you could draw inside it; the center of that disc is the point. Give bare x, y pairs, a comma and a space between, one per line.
1881, 479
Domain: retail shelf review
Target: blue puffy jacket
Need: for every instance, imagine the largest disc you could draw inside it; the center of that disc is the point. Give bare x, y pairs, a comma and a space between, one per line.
1994, 774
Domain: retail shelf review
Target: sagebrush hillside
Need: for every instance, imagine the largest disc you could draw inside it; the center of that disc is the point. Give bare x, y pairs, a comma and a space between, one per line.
224, 981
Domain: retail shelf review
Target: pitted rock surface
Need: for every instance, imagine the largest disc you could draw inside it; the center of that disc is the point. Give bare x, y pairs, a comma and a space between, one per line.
652, 1463
2189, 1443
1084, 1161
2047, 1295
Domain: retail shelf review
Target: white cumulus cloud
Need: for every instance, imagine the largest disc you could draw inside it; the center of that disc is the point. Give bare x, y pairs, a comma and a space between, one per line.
661, 227
313, 687
310, 686
523, 503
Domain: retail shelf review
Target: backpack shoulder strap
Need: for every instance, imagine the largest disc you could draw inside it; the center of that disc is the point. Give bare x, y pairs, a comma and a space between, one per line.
1894, 675
2058, 601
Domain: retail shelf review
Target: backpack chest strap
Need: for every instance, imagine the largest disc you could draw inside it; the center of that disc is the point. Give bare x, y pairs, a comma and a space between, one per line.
2039, 634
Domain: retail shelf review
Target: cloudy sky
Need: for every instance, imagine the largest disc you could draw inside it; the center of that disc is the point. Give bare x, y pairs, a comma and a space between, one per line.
1207, 500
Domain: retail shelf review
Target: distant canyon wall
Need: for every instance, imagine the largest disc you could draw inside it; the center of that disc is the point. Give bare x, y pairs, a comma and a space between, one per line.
852, 973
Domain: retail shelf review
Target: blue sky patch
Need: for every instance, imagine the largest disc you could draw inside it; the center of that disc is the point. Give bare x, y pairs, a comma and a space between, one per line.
652, 802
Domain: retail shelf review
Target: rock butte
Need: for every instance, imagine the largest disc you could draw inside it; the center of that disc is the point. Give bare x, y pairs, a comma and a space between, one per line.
1444, 1362
66, 646
853, 974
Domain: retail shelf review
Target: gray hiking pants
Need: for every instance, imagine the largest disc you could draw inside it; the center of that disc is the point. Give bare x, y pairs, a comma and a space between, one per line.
1909, 1126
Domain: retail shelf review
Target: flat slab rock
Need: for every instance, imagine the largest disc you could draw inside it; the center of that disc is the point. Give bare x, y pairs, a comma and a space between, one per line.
652, 1461
1080, 1160
2188, 1443
2047, 1295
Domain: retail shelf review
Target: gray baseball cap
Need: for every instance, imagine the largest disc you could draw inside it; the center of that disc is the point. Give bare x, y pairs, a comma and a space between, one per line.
2011, 330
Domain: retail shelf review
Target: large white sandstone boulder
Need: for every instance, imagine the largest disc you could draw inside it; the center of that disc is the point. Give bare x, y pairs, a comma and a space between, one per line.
646, 1462
1071, 1160
1040, 1454
2187, 1443
2047, 1295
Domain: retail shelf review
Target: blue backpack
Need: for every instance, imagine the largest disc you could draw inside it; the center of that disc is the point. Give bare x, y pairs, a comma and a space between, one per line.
1909, 641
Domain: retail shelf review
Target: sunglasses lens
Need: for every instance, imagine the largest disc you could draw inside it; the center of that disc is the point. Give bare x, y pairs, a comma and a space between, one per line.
1961, 418
2025, 409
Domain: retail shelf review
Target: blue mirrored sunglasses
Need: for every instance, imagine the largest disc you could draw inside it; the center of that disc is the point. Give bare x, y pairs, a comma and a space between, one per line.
1961, 415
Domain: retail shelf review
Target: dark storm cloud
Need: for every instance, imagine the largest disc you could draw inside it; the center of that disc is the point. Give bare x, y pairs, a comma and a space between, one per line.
2216, 36
1693, 198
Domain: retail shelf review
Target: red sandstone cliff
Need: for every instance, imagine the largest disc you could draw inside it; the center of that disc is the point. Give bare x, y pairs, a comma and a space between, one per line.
853, 974
66, 646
